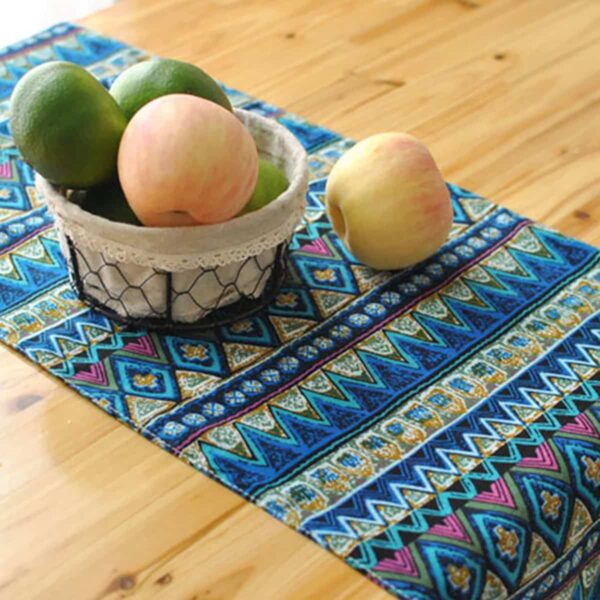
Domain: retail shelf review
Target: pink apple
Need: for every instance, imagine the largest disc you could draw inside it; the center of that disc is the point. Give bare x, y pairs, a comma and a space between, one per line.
387, 201
184, 160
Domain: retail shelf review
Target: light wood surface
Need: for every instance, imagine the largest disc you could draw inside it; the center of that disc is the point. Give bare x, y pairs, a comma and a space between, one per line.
506, 94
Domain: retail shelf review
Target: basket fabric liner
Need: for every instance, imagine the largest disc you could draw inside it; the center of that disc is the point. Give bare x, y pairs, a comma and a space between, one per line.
177, 275
437, 428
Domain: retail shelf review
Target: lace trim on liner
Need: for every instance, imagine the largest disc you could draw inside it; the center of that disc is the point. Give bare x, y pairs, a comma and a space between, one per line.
122, 253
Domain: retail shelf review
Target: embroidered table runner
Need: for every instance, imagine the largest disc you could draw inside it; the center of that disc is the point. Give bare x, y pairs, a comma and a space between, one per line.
437, 428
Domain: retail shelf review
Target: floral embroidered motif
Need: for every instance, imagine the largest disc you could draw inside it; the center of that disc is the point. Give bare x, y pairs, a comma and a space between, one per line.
287, 300
551, 504
244, 326
325, 275
145, 380
194, 352
460, 577
508, 540
592, 470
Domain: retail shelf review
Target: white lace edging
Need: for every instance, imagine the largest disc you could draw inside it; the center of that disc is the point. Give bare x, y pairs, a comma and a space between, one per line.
115, 252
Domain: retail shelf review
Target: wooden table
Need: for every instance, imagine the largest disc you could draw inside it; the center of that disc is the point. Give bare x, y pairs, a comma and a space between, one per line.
506, 94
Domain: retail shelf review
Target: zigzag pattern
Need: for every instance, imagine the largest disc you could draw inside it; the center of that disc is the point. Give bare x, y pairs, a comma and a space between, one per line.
376, 394
465, 489
435, 329
499, 409
36, 263
260, 330
438, 426
53, 347
538, 510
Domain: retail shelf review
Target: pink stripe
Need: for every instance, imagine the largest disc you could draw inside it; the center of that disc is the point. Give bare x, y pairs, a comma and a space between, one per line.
497, 494
450, 527
26, 238
318, 246
402, 563
581, 425
5, 170
95, 375
353, 342
141, 346
544, 459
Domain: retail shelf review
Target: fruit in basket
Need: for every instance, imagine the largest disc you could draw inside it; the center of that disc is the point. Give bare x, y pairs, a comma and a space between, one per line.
388, 202
157, 77
108, 201
270, 184
184, 160
66, 125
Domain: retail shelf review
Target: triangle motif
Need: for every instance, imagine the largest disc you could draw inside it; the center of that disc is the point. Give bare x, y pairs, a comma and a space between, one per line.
476, 207
240, 356
367, 278
142, 410
96, 375
451, 528
544, 459
193, 383
540, 556
294, 401
69, 347
329, 302
494, 588
581, 521
142, 346
194, 455
436, 308
288, 328
581, 425
349, 365
95, 333
497, 494
407, 325
526, 241
403, 563
262, 419
379, 344
317, 246
229, 438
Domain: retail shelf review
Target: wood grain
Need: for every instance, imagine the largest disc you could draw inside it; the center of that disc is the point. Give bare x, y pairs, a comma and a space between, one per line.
505, 92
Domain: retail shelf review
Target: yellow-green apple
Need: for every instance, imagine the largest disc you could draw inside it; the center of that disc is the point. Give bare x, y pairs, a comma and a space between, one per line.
388, 202
184, 160
270, 184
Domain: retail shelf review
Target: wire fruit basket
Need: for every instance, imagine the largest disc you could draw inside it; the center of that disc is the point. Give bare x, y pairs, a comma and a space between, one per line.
187, 277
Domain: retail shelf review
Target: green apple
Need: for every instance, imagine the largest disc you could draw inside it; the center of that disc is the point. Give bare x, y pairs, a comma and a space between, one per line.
270, 184
108, 201
151, 79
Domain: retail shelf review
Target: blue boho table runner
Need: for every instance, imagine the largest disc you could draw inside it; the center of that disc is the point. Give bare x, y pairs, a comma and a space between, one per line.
437, 428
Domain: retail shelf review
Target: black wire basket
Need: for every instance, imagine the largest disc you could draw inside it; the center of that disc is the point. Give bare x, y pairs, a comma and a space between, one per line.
187, 278
84, 277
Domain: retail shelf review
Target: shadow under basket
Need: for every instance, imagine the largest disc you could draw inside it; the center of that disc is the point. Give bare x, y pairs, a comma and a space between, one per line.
187, 278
